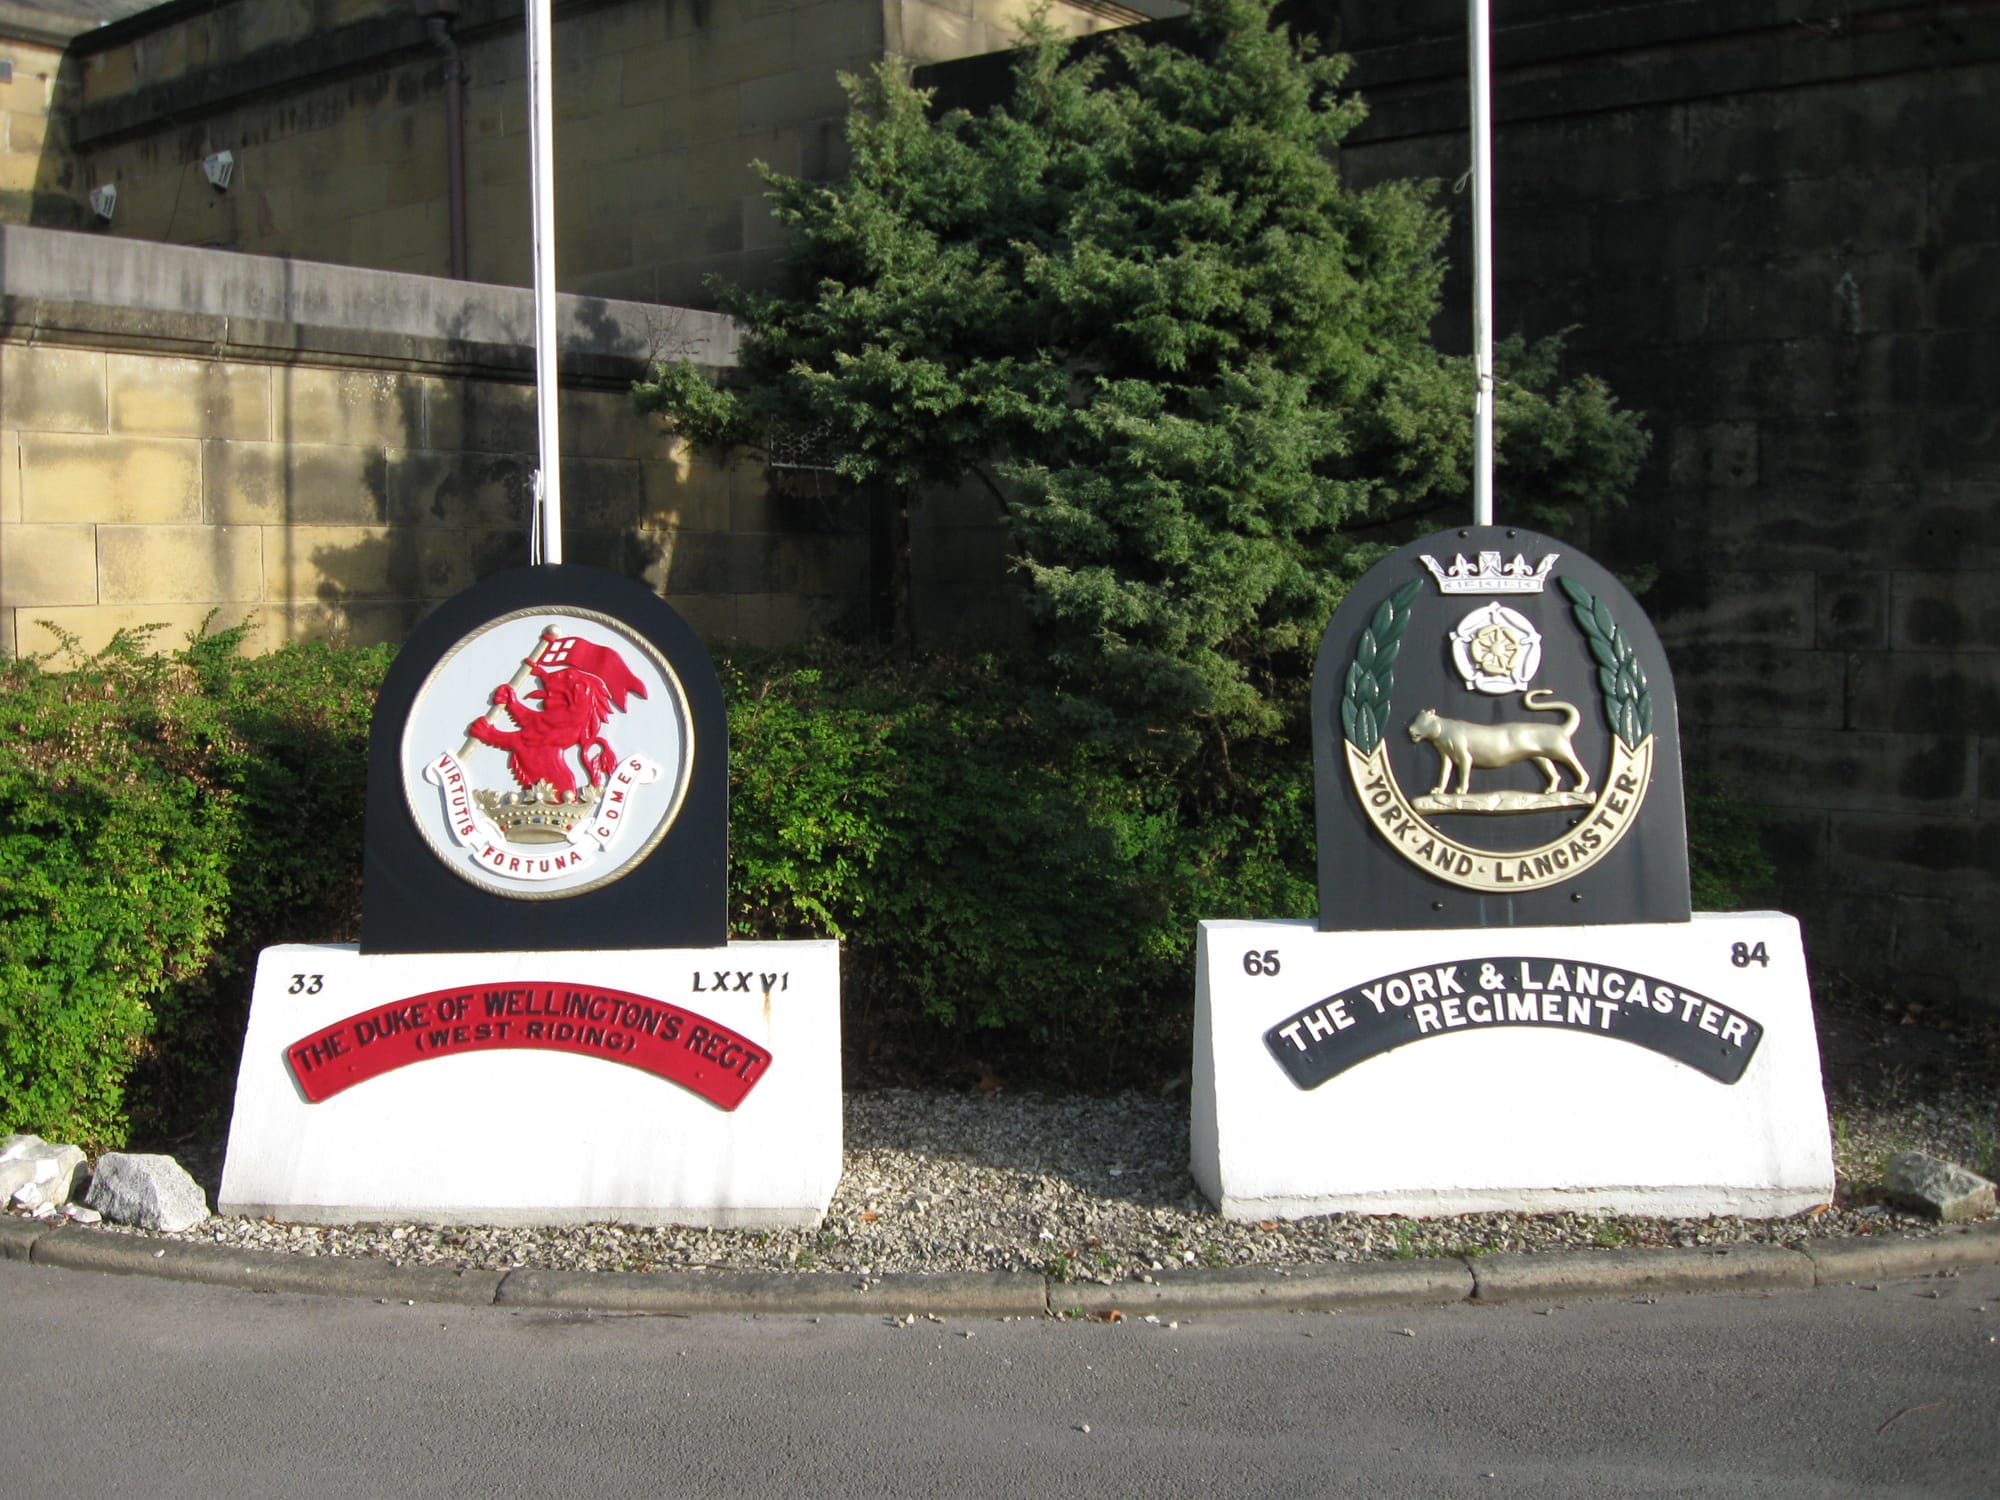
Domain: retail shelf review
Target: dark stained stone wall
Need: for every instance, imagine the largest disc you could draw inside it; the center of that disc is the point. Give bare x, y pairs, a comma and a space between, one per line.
1775, 229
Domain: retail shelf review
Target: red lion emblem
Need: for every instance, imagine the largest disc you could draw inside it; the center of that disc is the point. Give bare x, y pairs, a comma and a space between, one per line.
576, 697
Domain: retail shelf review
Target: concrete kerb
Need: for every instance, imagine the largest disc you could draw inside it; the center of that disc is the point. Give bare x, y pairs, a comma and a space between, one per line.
252, 1270
1635, 1273
962, 1294
1485, 1279
18, 1236
1844, 1262
1311, 1288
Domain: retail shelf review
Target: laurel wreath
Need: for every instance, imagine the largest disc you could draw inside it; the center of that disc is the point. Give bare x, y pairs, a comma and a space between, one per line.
1628, 704
1364, 706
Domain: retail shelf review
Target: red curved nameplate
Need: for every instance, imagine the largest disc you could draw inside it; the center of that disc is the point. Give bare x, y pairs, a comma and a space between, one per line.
637, 1030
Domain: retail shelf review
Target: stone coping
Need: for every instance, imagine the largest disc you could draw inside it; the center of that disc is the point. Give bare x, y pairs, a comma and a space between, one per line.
68, 286
1485, 1279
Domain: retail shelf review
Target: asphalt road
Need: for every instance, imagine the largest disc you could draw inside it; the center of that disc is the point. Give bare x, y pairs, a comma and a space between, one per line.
134, 1386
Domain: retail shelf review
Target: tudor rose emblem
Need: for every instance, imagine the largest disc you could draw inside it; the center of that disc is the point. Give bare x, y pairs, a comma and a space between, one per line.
546, 753
1497, 652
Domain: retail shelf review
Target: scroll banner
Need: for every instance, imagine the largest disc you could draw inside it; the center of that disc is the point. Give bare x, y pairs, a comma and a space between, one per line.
475, 831
673, 1043
1608, 819
1366, 1020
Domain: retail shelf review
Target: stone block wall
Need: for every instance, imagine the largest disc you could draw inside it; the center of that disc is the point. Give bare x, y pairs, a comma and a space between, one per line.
334, 111
1775, 232
330, 452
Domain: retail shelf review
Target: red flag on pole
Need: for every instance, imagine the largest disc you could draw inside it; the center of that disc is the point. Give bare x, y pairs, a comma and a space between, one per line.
573, 652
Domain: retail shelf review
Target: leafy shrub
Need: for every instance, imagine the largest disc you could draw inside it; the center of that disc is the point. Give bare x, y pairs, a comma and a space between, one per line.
1727, 865
161, 818
1008, 894
294, 765
1002, 887
113, 885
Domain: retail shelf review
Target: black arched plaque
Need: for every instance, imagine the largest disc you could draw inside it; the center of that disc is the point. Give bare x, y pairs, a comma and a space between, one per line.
548, 770
1495, 744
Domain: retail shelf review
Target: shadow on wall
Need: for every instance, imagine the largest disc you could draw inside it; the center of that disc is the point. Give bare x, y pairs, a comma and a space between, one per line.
375, 537
337, 480
397, 491
56, 194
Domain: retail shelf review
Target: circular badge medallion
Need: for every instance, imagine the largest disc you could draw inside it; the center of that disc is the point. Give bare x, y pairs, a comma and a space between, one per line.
547, 753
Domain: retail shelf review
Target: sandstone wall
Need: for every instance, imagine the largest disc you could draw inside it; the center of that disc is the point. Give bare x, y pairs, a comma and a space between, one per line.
334, 111
329, 452
1773, 227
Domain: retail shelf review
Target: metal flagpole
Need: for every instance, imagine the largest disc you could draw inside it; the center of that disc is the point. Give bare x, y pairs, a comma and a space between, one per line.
1482, 271
541, 172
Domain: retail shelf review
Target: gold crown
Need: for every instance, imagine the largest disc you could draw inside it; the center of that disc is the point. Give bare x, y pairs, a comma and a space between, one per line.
540, 815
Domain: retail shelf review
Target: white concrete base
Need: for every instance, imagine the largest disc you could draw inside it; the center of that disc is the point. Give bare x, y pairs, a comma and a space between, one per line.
1466, 1115
481, 1130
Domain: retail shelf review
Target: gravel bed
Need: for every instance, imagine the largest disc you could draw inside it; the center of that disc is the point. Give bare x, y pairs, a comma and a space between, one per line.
1093, 1188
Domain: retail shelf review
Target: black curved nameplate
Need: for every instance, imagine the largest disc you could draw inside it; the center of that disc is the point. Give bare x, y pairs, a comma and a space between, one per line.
1412, 1005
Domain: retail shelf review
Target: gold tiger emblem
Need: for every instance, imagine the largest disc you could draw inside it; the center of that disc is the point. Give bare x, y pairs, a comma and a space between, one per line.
1461, 745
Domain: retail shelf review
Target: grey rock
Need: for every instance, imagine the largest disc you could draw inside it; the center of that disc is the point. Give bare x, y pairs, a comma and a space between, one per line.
153, 1192
43, 1172
1937, 1188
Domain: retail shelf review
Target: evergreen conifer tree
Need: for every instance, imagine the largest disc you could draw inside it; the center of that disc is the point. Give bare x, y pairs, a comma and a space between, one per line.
1141, 299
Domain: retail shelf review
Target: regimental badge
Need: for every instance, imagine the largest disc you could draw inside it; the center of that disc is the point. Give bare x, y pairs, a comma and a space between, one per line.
1495, 723
1496, 650
547, 753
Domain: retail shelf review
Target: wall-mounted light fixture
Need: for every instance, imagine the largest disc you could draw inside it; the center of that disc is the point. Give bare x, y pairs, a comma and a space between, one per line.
218, 166
103, 200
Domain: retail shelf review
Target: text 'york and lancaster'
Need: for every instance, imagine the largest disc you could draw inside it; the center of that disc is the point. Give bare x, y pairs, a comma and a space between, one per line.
1368, 1019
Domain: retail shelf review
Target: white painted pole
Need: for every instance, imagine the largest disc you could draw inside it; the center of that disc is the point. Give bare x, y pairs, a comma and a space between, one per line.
1482, 271
541, 173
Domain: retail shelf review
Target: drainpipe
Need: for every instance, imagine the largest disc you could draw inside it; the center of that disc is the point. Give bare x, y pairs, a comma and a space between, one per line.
437, 18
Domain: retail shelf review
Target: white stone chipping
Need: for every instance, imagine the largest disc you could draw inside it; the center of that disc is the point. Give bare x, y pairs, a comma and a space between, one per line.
35, 1173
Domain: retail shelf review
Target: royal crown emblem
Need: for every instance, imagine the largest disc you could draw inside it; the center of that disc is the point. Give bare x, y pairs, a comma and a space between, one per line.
540, 815
1489, 575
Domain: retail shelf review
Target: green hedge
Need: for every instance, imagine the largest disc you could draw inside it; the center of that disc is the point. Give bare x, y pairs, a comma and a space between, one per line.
161, 818
1009, 895
1006, 891
113, 879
